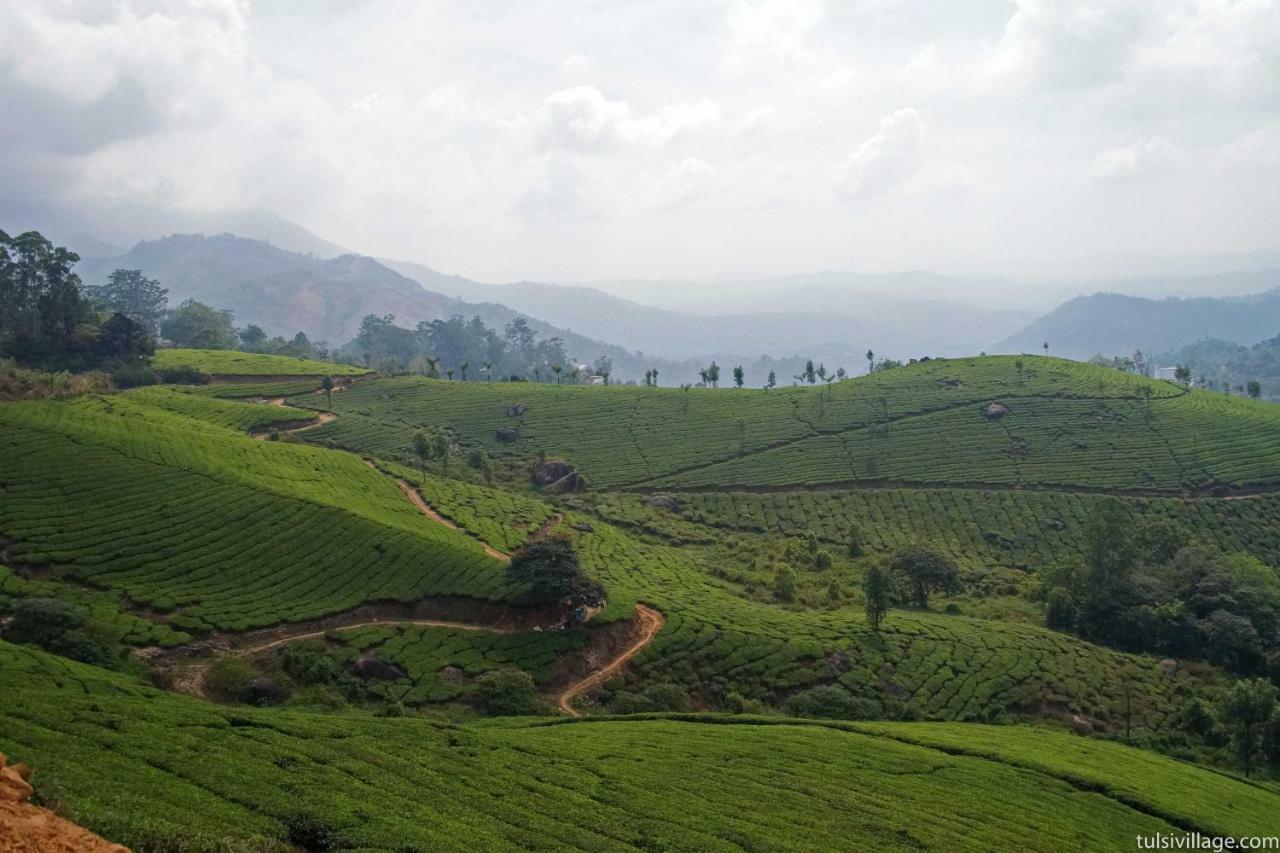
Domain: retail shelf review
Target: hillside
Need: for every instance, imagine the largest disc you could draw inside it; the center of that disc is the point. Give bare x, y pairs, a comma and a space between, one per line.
824, 318
243, 365
1064, 424
285, 292
1110, 324
1219, 364
178, 771
359, 591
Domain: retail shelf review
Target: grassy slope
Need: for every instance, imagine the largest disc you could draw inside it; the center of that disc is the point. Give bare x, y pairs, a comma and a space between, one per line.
158, 495
1069, 424
146, 768
234, 363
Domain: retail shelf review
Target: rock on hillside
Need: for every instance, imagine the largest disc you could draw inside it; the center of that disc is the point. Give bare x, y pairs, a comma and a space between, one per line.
24, 827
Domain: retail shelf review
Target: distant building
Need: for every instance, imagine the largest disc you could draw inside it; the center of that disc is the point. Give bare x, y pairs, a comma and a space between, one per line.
1169, 374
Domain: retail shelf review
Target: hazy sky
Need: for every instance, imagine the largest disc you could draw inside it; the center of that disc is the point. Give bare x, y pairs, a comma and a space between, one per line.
625, 139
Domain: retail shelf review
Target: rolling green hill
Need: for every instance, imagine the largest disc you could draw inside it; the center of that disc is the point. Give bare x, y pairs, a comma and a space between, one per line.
1067, 425
158, 512
159, 772
234, 363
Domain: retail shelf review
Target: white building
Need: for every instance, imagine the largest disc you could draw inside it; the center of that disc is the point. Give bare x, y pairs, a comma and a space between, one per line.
1169, 374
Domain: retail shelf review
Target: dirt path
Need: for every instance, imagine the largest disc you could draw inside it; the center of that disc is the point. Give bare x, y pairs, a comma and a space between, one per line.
650, 624
319, 420
190, 680
416, 499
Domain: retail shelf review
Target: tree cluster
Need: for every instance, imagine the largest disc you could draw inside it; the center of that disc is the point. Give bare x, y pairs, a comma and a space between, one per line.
1149, 588
48, 319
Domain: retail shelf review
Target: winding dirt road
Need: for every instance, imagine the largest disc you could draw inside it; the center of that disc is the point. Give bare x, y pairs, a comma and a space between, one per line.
650, 624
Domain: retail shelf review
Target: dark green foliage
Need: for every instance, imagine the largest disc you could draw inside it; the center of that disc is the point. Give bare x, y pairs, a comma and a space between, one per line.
1060, 610
198, 326
122, 339
505, 691
229, 679
551, 573
132, 294
853, 542
784, 584
831, 702
61, 628
1246, 712
925, 571
877, 588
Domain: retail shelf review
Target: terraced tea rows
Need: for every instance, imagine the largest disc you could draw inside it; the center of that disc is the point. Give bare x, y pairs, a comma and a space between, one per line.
947, 667
1062, 424
222, 362
183, 514
152, 769
1024, 529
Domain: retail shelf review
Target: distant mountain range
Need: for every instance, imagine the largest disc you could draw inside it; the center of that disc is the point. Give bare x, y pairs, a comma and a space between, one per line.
285, 292
803, 315
1112, 324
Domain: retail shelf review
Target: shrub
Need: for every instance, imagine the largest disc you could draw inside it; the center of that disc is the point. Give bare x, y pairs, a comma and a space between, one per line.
505, 691
667, 697
133, 376
822, 560
229, 679
625, 702
784, 584
831, 702
61, 628
1060, 610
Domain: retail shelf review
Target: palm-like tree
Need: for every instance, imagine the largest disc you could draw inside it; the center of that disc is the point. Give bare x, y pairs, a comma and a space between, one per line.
463, 367
433, 366
450, 373
556, 368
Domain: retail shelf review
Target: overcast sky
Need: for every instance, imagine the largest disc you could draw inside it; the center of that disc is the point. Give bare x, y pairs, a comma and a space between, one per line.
592, 140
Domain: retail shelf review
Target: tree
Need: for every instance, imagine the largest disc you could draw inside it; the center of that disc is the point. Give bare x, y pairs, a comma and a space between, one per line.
1046, 347
1182, 373
449, 373
556, 368
854, 540
422, 447
810, 372
822, 560
841, 373
773, 380
1255, 389
713, 375
1245, 711
327, 385
603, 367
252, 338
40, 300
871, 361
505, 691
1060, 610
1110, 550
440, 448
132, 294
926, 571
194, 324
835, 593
551, 573
784, 584
122, 339
877, 587
462, 368
739, 376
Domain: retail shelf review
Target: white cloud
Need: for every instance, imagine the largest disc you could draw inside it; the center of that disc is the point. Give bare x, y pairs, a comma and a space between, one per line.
771, 31
1257, 149
885, 160
582, 118
1144, 159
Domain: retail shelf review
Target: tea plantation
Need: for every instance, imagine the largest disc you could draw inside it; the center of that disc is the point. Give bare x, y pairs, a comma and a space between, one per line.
234, 363
156, 512
159, 771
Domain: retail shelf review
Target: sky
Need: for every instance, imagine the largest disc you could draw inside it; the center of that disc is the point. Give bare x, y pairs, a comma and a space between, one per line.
666, 139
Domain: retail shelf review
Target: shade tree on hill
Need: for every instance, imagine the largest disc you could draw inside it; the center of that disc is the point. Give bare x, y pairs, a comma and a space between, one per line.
925, 571
551, 573
194, 325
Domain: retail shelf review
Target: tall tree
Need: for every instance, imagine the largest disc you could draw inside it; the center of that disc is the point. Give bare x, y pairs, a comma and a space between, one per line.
132, 294
1245, 711
772, 381
1255, 388
40, 300
422, 447
327, 385
194, 324
739, 376
877, 587
550, 572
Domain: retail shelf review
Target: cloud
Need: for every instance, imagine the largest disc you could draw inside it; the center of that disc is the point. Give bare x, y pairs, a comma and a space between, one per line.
1257, 149
771, 32
1064, 44
886, 160
583, 119
1144, 159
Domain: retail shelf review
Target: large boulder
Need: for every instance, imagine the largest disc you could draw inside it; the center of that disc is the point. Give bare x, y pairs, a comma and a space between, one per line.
995, 411
666, 502
556, 477
374, 668
515, 410
508, 435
